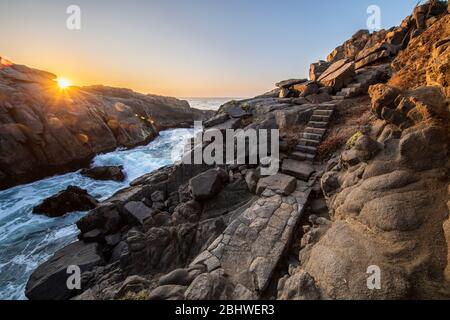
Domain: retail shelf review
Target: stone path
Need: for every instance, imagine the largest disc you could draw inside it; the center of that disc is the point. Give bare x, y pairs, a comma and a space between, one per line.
251, 247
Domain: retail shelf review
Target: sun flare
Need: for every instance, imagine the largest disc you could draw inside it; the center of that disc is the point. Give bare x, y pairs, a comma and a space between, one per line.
63, 83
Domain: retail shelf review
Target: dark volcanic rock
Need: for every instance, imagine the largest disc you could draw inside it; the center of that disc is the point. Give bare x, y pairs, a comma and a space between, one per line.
137, 212
105, 217
217, 119
114, 173
49, 280
70, 200
206, 185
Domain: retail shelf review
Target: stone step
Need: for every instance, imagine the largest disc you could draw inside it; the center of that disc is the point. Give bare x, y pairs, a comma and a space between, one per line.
363, 78
347, 90
320, 118
306, 149
337, 97
367, 75
300, 170
367, 82
318, 124
320, 131
309, 142
327, 106
301, 156
312, 136
355, 85
325, 112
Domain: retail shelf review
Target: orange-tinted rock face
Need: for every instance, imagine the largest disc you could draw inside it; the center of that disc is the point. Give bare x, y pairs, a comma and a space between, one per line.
425, 60
46, 130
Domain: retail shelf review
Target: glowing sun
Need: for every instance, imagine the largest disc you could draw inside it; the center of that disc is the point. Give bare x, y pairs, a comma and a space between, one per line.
63, 83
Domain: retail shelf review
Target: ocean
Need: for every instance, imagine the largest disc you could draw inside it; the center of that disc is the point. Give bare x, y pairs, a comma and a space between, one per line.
27, 240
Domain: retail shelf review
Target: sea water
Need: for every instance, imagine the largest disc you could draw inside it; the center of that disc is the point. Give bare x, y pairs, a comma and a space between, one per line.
27, 240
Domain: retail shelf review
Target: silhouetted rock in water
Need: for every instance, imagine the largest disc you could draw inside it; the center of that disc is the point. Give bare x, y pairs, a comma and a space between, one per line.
70, 200
114, 173
45, 130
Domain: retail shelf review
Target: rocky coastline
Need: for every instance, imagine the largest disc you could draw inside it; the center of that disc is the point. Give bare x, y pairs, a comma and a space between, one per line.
363, 181
46, 130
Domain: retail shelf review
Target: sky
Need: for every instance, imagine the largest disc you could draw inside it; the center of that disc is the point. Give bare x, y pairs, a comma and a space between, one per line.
185, 48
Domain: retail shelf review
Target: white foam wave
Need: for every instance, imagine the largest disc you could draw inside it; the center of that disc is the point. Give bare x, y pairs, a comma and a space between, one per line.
27, 240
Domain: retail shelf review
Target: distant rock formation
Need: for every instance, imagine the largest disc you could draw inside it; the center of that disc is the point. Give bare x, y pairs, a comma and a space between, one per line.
45, 130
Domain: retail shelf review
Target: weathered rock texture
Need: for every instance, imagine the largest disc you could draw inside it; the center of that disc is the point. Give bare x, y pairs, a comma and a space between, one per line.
45, 130
388, 200
114, 173
41, 286
69, 200
250, 248
229, 232
426, 60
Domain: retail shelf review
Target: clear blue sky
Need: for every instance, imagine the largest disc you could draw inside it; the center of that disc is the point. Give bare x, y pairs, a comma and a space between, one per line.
185, 47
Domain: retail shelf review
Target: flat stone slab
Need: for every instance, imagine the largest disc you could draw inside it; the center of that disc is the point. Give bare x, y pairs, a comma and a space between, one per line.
298, 169
228, 125
251, 246
137, 212
338, 75
237, 112
49, 280
280, 183
290, 83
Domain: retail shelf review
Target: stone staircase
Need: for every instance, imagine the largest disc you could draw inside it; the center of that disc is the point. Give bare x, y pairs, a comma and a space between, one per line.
364, 79
314, 132
250, 248
299, 163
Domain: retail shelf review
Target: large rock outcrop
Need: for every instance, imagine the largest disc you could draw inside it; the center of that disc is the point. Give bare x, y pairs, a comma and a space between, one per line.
49, 281
426, 59
388, 198
46, 130
230, 232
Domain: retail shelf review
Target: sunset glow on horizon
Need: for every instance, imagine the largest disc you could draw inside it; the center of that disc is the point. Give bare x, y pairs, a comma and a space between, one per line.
63, 83
197, 48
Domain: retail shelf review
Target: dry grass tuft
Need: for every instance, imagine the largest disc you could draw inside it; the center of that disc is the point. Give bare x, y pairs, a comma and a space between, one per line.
350, 118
